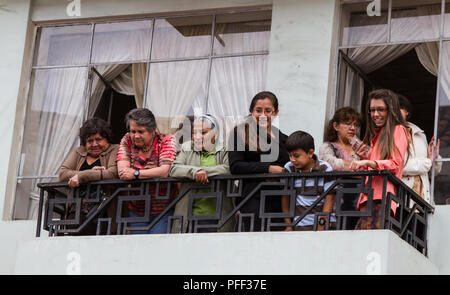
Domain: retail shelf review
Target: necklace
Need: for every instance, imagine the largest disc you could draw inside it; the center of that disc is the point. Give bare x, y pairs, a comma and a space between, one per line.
146, 150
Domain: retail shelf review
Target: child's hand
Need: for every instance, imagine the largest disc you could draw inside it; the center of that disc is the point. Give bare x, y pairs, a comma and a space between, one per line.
289, 228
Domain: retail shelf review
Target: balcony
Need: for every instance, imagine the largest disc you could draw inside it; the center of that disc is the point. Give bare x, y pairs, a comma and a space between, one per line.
107, 210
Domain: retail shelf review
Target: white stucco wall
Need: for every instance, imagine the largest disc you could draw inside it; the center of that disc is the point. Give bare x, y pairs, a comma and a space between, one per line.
51, 10
439, 238
14, 16
339, 252
12, 233
299, 63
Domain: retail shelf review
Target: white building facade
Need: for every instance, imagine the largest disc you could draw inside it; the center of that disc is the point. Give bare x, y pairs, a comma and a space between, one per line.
57, 58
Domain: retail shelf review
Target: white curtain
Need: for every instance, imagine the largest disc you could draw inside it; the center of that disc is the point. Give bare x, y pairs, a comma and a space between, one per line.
128, 79
182, 37
354, 89
124, 41
445, 76
174, 89
421, 23
368, 59
428, 54
64, 45
363, 29
234, 82
406, 25
57, 105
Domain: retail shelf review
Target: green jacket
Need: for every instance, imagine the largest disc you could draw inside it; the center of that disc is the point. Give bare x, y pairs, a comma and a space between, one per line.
186, 164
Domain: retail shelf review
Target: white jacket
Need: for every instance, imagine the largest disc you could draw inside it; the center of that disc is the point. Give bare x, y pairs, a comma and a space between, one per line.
418, 162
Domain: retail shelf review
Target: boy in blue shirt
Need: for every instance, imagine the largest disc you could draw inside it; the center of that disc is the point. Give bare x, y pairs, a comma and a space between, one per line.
300, 146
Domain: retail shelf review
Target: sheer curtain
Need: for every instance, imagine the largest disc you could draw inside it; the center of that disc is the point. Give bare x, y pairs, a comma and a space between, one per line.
421, 22
57, 105
174, 88
128, 79
234, 82
177, 88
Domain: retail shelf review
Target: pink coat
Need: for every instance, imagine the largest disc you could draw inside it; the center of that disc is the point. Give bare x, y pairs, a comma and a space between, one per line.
395, 164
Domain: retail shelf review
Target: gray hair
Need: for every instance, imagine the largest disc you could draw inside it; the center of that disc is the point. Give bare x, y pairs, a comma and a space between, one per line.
212, 120
143, 117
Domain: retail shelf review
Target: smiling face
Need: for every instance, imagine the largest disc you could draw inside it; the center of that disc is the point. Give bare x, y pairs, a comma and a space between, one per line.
263, 112
96, 144
204, 136
140, 136
378, 112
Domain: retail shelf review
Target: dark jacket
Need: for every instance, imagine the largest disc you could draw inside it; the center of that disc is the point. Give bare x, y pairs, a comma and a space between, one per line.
250, 162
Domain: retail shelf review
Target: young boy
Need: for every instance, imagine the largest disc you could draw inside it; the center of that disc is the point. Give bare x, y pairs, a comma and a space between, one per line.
300, 146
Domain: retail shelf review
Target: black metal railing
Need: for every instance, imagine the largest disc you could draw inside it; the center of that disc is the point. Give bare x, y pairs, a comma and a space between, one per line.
102, 205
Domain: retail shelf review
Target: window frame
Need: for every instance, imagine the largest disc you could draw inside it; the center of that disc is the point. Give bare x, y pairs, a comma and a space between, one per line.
441, 41
18, 177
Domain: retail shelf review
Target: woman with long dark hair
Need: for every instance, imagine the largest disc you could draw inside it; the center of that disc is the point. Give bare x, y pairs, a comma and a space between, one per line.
386, 133
258, 147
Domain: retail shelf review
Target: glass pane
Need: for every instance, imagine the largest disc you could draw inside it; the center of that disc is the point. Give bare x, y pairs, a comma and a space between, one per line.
26, 202
234, 82
124, 41
175, 90
443, 130
442, 185
364, 24
64, 46
447, 19
53, 119
182, 37
243, 32
415, 22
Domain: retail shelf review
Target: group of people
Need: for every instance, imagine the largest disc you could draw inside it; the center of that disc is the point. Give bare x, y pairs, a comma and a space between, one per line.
257, 146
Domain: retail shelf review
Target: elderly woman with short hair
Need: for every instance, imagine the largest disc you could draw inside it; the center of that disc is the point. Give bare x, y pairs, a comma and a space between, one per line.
93, 160
202, 157
144, 153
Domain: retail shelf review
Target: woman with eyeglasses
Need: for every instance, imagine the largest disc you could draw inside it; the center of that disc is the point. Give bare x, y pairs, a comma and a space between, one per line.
256, 146
388, 139
337, 150
341, 132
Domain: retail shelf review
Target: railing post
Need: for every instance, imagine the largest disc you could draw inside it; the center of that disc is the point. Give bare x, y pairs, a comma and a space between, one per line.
39, 218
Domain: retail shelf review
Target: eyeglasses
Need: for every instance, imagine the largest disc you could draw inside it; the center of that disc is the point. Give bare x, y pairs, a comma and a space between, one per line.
356, 125
266, 111
380, 110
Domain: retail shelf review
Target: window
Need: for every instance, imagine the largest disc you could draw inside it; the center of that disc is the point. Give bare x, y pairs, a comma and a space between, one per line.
175, 66
405, 48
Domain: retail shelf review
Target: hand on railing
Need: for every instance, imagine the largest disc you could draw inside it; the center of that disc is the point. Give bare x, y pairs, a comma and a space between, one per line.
74, 181
201, 176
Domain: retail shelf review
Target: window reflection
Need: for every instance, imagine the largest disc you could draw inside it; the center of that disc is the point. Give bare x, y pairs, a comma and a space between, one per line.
124, 41
64, 45
359, 28
244, 32
182, 37
442, 185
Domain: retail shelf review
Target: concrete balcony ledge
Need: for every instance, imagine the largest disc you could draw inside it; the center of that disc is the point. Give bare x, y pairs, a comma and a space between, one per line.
332, 252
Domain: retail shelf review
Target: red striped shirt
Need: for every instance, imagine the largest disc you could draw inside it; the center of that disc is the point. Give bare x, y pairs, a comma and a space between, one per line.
163, 153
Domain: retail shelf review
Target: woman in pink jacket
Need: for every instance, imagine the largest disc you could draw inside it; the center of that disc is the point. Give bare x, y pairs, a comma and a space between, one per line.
388, 139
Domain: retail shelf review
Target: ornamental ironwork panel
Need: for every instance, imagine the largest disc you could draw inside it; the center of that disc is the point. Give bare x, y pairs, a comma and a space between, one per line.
103, 208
